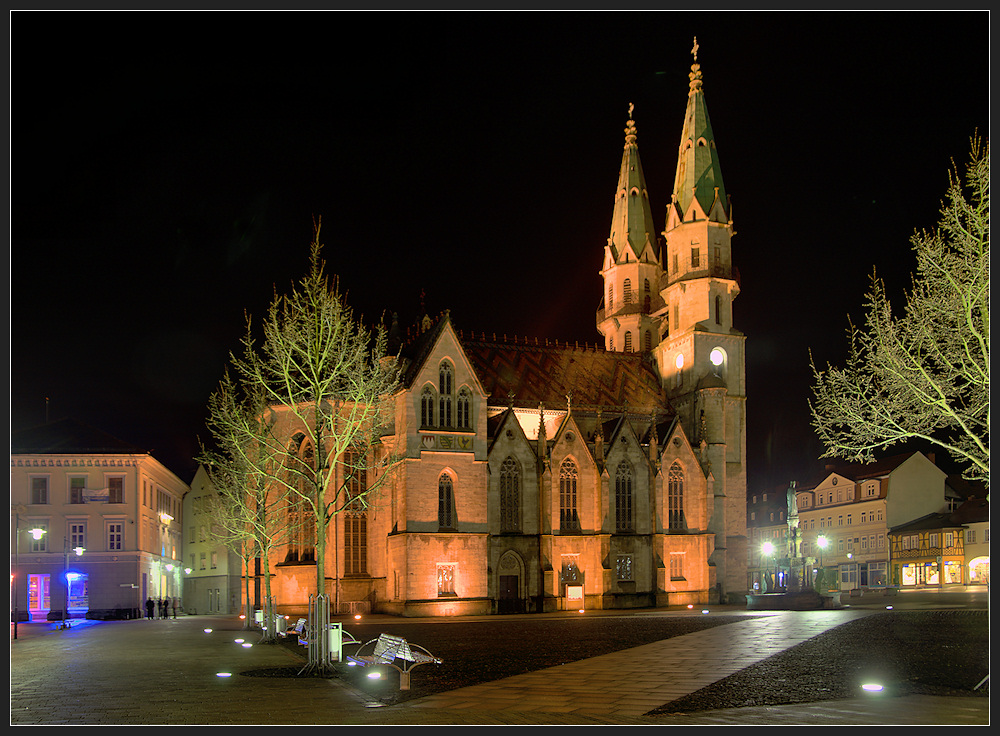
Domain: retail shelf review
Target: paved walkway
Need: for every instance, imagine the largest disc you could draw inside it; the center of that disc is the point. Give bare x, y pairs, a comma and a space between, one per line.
167, 673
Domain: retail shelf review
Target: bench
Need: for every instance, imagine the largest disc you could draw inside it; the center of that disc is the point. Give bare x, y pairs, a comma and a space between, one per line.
299, 630
387, 649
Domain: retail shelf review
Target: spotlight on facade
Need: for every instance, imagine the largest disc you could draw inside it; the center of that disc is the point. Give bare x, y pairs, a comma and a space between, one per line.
690, 605
580, 611
357, 617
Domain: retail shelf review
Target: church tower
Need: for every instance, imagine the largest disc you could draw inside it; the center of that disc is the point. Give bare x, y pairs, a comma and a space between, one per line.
631, 269
700, 354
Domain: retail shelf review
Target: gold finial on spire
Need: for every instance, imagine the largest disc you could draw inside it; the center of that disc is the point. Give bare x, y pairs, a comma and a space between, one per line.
630, 132
695, 75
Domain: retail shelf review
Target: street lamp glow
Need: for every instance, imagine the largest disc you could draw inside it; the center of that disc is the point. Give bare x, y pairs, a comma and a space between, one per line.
36, 533
767, 548
822, 542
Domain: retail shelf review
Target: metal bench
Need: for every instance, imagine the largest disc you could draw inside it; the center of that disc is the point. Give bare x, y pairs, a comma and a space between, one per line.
387, 649
300, 631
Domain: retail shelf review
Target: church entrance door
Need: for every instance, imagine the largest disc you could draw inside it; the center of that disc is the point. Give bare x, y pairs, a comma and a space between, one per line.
509, 601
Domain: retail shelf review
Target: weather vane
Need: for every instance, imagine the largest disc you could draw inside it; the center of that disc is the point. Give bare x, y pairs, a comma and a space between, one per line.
694, 49
631, 107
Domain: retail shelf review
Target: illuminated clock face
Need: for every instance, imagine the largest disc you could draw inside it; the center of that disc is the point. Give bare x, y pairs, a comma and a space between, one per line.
679, 362
716, 356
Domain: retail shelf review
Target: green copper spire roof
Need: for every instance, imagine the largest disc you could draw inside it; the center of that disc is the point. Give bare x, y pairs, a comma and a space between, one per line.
698, 172
632, 219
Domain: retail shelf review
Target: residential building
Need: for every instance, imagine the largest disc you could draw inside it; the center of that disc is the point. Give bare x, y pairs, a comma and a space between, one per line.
851, 509
212, 571
928, 552
110, 516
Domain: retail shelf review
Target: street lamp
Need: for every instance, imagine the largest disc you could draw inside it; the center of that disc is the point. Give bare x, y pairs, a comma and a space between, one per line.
768, 550
68, 579
36, 534
822, 542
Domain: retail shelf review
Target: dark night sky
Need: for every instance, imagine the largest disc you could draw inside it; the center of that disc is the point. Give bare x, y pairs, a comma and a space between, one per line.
165, 169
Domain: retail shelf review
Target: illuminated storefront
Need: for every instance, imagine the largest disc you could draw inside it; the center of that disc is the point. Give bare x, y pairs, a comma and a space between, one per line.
928, 552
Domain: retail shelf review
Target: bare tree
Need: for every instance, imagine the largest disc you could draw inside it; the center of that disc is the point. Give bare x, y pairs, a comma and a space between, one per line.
250, 511
328, 387
923, 375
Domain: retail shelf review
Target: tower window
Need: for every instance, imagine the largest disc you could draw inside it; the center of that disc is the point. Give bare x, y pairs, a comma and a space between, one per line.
695, 257
628, 341
446, 502
647, 341
627, 289
718, 310
611, 297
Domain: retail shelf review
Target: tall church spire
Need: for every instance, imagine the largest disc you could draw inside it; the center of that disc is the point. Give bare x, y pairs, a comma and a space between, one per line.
631, 263
698, 176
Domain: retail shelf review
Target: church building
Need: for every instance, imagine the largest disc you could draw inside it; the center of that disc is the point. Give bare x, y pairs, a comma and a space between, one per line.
541, 477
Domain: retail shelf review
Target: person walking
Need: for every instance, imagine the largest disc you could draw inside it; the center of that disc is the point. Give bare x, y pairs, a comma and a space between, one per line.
149, 608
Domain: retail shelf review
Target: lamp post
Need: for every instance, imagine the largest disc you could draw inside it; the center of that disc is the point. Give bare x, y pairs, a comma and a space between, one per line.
66, 578
822, 542
36, 534
768, 550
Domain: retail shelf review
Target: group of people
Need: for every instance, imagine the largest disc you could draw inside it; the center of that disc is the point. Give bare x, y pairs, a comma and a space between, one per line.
161, 608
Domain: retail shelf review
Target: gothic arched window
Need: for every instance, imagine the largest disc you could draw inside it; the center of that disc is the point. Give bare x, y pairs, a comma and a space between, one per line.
510, 496
568, 518
301, 543
463, 420
445, 379
627, 291
446, 502
355, 515
675, 497
623, 498
427, 407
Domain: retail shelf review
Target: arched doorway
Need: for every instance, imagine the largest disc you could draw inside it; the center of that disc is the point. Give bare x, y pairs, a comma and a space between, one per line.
510, 577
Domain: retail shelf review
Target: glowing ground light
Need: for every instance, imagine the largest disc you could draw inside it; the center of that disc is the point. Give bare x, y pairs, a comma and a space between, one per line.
238, 641
690, 605
223, 674
581, 610
247, 645
872, 687
374, 675
208, 631
888, 608
357, 617
704, 610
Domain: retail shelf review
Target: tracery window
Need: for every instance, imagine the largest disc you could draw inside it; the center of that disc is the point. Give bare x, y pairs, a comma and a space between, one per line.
445, 379
355, 514
510, 496
427, 407
569, 520
623, 498
446, 502
464, 409
675, 497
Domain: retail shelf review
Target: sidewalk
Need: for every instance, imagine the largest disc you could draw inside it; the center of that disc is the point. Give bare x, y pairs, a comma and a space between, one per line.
167, 673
